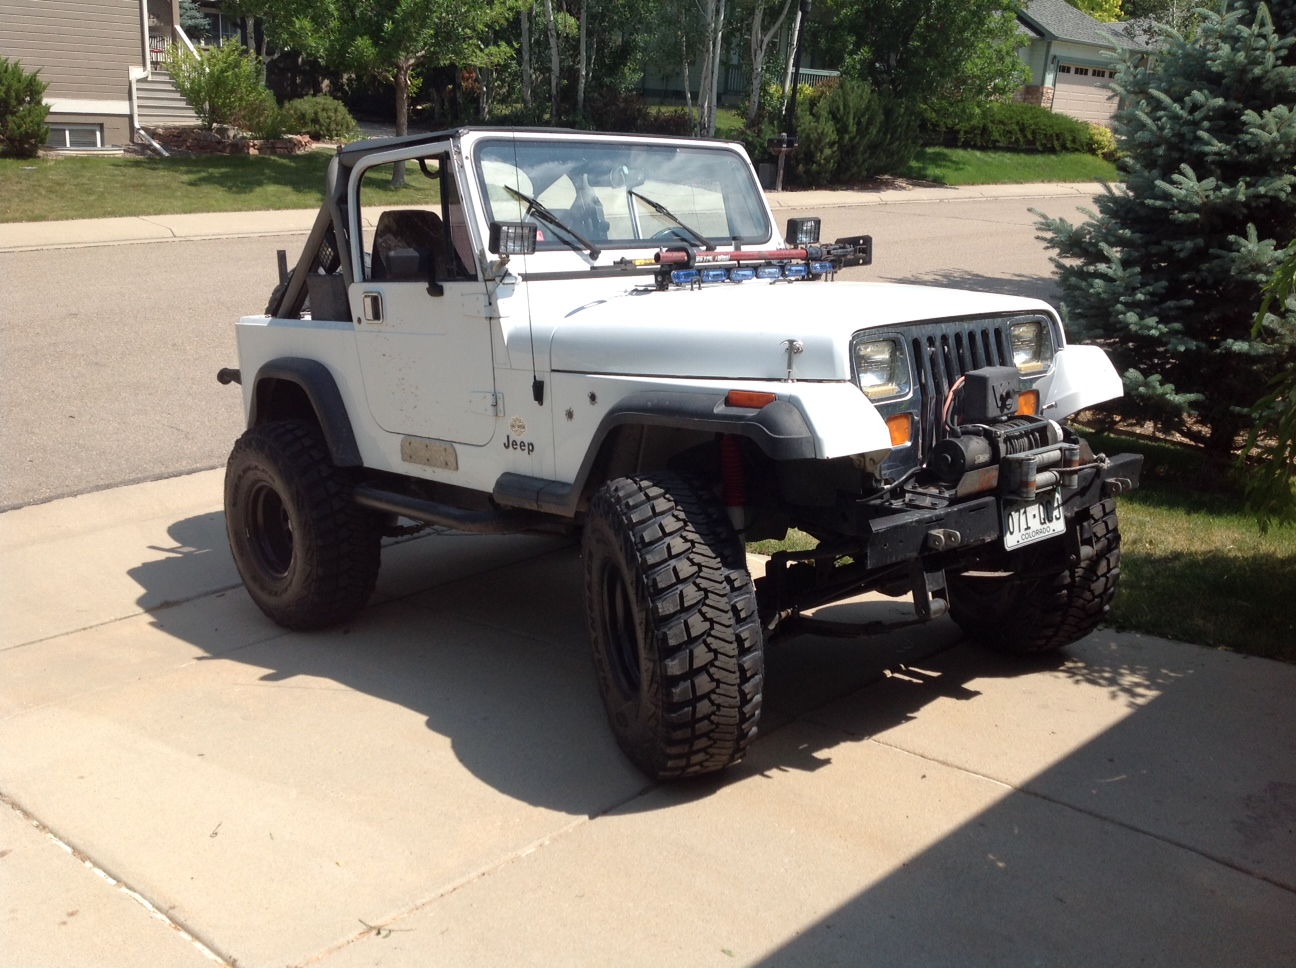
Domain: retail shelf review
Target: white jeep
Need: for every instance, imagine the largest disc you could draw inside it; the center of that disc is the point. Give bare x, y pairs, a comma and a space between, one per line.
607, 335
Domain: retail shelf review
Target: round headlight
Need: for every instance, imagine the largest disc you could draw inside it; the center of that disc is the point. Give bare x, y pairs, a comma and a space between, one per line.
881, 369
1032, 350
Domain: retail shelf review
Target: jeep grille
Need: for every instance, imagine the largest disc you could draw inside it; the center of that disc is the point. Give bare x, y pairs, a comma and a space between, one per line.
942, 353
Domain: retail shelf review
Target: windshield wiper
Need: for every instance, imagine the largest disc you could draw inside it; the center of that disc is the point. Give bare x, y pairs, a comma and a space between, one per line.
665, 212
534, 206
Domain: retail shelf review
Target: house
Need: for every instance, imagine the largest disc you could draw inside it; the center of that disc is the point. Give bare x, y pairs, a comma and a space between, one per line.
1068, 53
102, 60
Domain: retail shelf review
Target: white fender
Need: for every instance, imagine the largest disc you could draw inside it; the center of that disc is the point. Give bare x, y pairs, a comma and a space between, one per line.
842, 420
1082, 376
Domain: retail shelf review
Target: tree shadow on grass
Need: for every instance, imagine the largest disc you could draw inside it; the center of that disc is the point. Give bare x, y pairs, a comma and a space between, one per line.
245, 174
1243, 602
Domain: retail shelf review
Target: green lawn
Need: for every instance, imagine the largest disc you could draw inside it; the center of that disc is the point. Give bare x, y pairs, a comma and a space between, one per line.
967, 166
40, 191
43, 191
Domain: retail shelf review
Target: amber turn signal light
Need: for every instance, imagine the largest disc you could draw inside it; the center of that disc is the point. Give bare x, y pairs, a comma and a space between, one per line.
749, 399
1028, 403
901, 427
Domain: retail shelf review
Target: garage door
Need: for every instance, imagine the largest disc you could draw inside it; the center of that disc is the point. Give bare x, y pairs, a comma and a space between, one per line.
1082, 93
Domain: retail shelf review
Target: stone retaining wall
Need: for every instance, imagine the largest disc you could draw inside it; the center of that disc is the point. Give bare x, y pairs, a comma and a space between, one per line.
227, 142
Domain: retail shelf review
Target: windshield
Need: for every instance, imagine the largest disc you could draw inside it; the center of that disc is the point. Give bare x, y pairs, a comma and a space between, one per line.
622, 195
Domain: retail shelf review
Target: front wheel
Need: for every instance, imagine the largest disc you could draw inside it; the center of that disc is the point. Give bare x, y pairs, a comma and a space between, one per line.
673, 625
307, 553
1041, 608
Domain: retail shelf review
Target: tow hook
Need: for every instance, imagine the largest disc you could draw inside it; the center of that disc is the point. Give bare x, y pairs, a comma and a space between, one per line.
227, 375
930, 598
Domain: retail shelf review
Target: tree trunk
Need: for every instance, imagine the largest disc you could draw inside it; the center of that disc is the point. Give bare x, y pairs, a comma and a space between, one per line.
402, 117
553, 61
688, 90
791, 59
759, 45
705, 108
717, 56
580, 70
526, 61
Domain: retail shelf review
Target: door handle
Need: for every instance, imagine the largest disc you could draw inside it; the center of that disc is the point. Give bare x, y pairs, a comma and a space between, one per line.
372, 306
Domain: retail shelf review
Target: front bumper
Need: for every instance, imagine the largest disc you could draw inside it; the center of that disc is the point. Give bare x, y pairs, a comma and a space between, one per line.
902, 535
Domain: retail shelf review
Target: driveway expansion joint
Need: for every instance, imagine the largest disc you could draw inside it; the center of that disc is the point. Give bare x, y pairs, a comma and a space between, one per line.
1101, 817
206, 950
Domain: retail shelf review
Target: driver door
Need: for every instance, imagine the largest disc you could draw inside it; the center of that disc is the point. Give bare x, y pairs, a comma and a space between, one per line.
423, 332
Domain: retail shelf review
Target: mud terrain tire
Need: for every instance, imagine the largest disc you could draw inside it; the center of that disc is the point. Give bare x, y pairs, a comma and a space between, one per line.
1042, 610
672, 619
307, 553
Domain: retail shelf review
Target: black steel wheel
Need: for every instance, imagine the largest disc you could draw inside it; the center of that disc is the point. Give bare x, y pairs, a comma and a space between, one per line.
1041, 608
307, 553
672, 619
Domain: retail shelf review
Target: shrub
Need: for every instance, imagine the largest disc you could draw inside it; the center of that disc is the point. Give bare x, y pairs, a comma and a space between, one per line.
264, 118
846, 132
22, 113
322, 117
223, 84
1000, 124
612, 110
1102, 142
671, 121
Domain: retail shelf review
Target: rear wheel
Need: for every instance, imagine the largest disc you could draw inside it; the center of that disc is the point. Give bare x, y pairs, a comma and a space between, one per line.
1041, 607
307, 553
673, 625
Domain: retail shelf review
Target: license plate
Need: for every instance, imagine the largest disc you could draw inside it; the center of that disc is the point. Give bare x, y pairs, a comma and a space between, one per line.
1025, 524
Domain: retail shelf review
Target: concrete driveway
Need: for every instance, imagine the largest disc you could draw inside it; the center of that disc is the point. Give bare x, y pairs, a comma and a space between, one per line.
434, 784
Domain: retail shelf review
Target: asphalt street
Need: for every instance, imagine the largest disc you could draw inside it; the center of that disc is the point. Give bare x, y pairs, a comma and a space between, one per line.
111, 351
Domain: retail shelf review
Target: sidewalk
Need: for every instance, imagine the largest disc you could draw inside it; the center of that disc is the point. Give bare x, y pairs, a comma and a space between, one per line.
78, 233
434, 783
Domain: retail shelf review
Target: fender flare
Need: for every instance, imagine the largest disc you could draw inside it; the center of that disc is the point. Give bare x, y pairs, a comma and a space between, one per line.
778, 429
321, 389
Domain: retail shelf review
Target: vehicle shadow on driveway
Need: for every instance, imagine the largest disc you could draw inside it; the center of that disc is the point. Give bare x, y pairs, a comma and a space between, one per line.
484, 637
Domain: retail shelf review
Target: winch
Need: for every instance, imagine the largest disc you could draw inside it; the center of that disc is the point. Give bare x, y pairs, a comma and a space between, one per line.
997, 448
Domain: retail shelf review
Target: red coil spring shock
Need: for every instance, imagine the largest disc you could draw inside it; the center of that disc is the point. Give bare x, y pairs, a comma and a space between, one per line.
735, 481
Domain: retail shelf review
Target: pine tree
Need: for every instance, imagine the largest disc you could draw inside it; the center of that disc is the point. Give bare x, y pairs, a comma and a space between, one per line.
1168, 274
193, 21
22, 111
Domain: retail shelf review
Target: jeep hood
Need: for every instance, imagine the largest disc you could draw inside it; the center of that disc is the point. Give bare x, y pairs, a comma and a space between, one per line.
741, 331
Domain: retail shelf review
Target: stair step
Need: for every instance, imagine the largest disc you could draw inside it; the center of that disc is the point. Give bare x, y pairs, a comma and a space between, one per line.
158, 102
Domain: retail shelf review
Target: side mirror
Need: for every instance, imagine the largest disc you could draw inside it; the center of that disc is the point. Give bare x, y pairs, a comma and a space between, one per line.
512, 238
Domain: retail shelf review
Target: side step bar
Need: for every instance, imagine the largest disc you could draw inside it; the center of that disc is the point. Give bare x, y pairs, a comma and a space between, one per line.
443, 515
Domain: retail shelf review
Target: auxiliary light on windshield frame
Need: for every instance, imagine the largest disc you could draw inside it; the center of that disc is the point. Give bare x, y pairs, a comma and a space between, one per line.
512, 238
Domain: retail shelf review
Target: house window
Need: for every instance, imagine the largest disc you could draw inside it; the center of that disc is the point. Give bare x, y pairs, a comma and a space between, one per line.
75, 136
1082, 71
1099, 73
1064, 69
